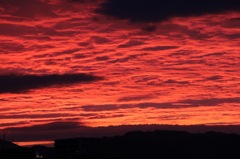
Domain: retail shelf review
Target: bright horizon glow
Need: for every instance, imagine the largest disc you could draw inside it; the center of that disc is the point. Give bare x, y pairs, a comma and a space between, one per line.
181, 71
33, 143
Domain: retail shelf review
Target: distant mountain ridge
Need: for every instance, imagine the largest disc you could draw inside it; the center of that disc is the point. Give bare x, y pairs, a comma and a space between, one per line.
41, 151
168, 144
45, 152
8, 145
171, 145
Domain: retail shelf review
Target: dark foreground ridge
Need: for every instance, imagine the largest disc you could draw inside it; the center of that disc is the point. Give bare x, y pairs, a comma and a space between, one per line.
150, 145
9, 150
159, 144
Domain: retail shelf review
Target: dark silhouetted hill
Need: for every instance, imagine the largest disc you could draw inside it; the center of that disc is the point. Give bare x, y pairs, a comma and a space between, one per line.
170, 145
8, 145
10, 150
44, 152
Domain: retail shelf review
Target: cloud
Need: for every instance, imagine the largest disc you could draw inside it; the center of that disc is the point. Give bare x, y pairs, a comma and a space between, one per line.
187, 103
107, 107
33, 116
79, 1
48, 31
231, 23
100, 40
177, 82
27, 32
211, 54
37, 38
157, 48
131, 43
150, 28
21, 83
53, 126
158, 105
10, 124
46, 131
217, 77
102, 58
28, 8
211, 102
160, 10
107, 116
125, 59
135, 98
234, 36
12, 47
110, 107
69, 51
168, 105
16, 30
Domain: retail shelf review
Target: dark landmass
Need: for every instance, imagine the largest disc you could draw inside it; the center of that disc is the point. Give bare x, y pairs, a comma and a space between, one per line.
171, 145
168, 144
10, 150
8, 145
157, 144
59, 130
44, 152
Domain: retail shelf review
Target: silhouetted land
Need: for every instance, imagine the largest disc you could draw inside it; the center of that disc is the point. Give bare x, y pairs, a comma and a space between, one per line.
159, 144
10, 150
45, 152
164, 145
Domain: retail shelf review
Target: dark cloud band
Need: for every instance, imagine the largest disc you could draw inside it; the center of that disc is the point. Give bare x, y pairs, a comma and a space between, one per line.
159, 10
170, 105
21, 83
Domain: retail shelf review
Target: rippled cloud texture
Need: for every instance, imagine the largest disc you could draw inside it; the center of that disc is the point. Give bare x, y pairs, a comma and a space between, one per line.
92, 63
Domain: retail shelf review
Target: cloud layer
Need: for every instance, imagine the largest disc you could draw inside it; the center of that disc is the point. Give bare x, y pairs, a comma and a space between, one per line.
65, 62
155, 10
21, 83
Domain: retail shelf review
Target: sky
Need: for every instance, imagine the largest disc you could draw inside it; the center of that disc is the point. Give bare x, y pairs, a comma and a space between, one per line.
72, 64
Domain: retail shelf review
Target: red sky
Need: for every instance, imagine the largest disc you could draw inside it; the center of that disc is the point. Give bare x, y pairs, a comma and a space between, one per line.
176, 70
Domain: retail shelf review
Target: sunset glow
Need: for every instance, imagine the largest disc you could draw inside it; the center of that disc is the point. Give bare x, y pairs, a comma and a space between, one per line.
183, 70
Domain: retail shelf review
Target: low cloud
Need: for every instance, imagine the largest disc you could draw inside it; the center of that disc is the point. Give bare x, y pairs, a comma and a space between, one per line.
100, 40
156, 10
102, 58
12, 47
177, 82
168, 105
157, 48
217, 77
131, 43
107, 116
48, 131
149, 28
34, 116
53, 126
22, 83
107, 107
28, 8
16, 30
125, 59
135, 98
69, 51
211, 101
